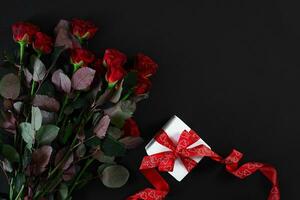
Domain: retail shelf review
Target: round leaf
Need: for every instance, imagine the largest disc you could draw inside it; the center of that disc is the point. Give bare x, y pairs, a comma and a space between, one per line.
10, 86
46, 134
61, 81
36, 118
27, 133
114, 176
39, 69
10, 153
83, 78
46, 103
102, 126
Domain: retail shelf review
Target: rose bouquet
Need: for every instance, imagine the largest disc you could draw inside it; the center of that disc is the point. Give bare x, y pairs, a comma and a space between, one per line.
66, 115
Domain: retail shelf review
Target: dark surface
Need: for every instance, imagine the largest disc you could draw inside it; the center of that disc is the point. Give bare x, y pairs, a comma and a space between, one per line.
229, 70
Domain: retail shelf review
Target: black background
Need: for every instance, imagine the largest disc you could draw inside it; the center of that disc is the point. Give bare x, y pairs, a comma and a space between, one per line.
229, 70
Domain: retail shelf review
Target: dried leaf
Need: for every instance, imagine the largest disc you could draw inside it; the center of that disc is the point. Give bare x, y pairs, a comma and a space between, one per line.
10, 86
131, 142
83, 78
102, 126
47, 103
40, 159
39, 69
114, 176
36, 118
61, 81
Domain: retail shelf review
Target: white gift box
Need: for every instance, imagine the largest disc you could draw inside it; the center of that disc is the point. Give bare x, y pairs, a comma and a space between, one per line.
174, 127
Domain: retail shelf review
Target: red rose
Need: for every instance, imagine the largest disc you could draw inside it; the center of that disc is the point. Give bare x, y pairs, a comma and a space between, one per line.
114, 74
98, 66
131, 128
83, 29
145, 65
81, 57
143, 86
42, 43
23, 32
114, 58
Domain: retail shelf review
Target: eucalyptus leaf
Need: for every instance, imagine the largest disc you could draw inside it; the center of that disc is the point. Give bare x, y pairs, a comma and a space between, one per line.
40, 159
114, 176
10, 153
61, 81
47, 134
46, 103
10, 86
36, 118
102, 126
39, 69
63, 191
112, 147
83, 78
27, 132
131, 142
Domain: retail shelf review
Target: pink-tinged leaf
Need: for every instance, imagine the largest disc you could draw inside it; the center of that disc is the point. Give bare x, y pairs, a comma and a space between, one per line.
9, 122
67, 162
40, 159
83, 78
10, 86
47, 103
102, 126
64, 37
69, 173
131, 142
61, 81
28, 77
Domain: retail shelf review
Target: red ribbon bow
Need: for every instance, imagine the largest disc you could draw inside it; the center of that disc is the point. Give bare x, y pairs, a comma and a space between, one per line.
164, 161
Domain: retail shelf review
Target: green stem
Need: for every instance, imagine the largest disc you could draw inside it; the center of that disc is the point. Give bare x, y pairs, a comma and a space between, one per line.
66, 99
32, 87
74, 184
19, 194
22, 49
127, 95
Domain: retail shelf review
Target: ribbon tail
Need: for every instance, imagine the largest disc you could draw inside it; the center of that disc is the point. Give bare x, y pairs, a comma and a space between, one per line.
161, 187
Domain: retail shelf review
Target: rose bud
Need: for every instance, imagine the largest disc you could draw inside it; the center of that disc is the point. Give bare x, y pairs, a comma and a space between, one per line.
144, 65
114, 58
131, 128
143, 86
43, 43
83, 29
113, 75
23, 32
98, 66
81, 57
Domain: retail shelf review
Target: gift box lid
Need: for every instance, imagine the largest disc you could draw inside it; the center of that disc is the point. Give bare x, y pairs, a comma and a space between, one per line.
174, 127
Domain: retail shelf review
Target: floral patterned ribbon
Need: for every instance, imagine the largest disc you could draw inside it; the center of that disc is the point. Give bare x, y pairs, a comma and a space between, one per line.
164, 161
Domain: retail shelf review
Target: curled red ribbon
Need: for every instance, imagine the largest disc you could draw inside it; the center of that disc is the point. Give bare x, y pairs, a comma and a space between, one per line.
164, 161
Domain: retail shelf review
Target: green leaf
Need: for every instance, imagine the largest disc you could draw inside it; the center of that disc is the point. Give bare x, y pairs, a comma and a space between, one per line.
112, 147
66, 134
63, 191
46, 134
10, 153
10, 86
95, 141
19, 181
114, 176
115, 132
39, 69
36, 118
101, 157
28, 134
130, 81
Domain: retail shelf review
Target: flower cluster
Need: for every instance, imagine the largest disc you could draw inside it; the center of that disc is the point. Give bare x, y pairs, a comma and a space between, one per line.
67, 109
